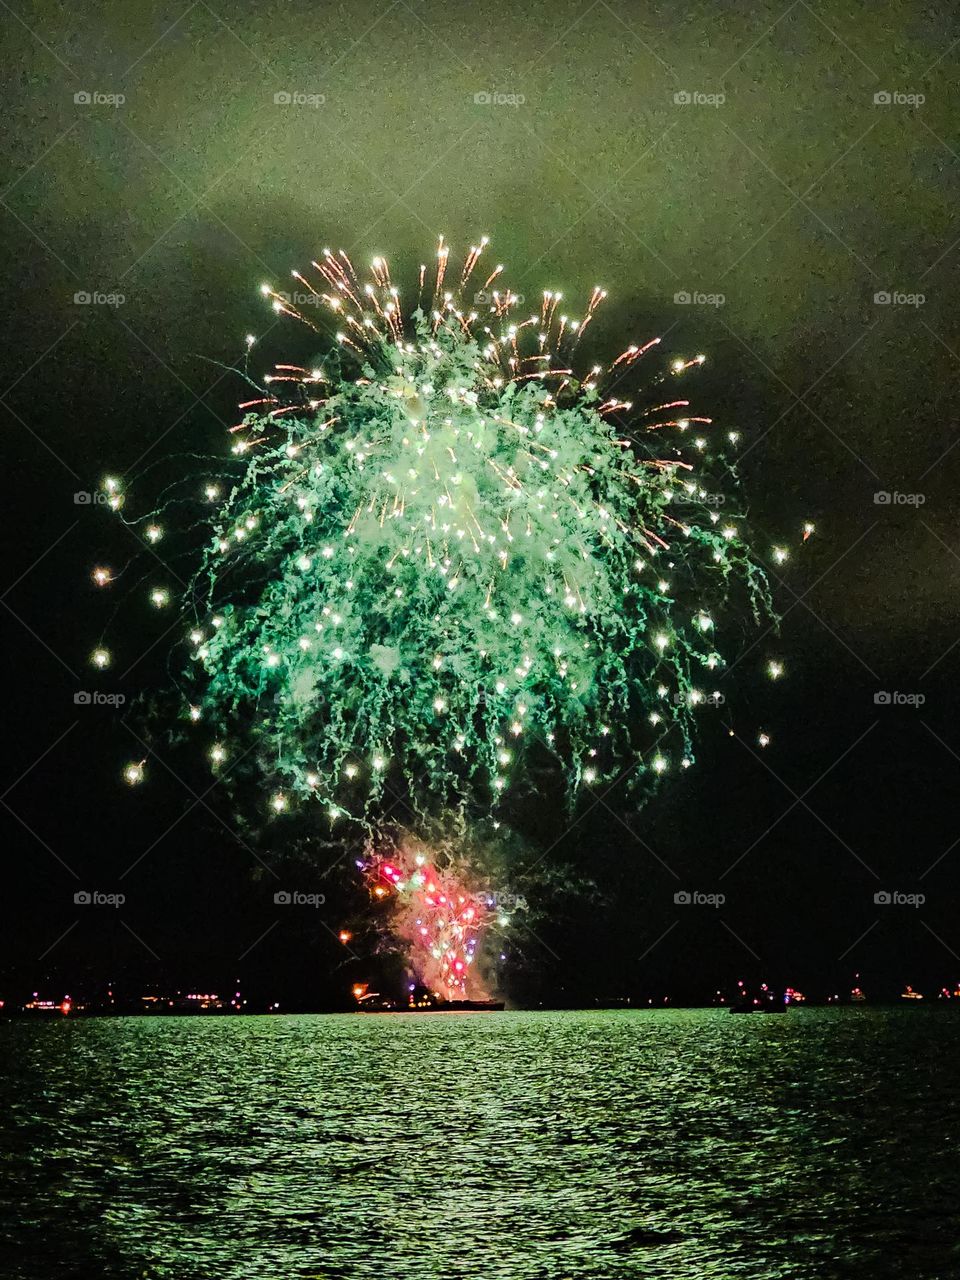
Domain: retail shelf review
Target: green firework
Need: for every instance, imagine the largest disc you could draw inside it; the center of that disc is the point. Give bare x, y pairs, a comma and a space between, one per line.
450, 558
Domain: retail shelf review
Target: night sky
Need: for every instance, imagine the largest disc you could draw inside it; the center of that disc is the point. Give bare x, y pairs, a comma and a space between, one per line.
797, 197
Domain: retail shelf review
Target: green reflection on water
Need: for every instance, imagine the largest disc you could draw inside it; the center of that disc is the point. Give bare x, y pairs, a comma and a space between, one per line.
520, 1145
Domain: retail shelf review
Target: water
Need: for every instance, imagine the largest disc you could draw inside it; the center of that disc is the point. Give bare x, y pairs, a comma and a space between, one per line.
515, 1146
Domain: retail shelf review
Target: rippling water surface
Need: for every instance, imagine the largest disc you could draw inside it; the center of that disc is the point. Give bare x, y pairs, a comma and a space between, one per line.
521, 1146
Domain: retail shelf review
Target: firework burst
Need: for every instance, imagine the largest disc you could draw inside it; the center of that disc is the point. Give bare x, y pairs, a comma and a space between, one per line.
436, 918
447, 558
448, 551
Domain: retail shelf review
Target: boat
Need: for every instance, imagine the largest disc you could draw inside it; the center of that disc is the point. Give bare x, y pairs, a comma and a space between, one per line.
419, 1000
458, 1006
744, 1006
432, 1006
768, 1001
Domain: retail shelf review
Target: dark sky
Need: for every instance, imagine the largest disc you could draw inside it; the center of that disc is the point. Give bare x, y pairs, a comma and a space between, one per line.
797, 197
